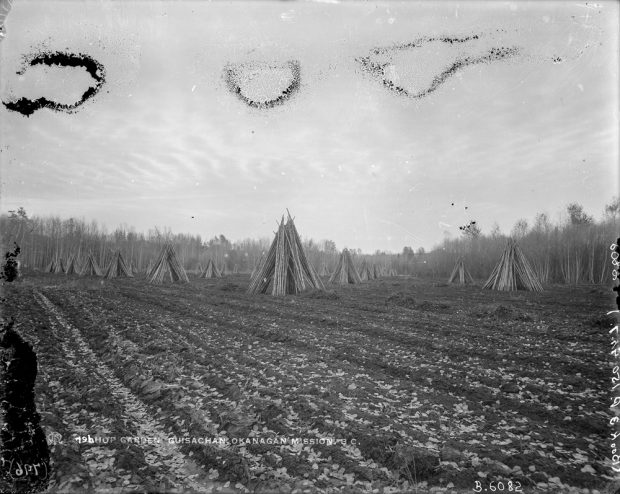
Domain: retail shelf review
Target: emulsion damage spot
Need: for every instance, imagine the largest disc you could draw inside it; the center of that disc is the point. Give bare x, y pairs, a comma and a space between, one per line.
27, 106
434, 61
263, 85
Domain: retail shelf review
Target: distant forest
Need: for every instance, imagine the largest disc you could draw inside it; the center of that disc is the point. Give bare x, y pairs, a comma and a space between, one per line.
572, 250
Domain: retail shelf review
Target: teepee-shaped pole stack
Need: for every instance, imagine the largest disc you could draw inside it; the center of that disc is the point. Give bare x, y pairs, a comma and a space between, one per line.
211, 271
300, 260
324, 271
285, 267
345, 271
167, 268
90, 268
51, 267
59, 266
366, 272
460, 273
513, 272
118, 268
72, 267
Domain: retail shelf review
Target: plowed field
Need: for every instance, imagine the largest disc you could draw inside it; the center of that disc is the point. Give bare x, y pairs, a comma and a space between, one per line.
390, 386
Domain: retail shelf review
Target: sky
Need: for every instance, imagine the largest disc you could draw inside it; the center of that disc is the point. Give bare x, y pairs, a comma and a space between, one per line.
167, 143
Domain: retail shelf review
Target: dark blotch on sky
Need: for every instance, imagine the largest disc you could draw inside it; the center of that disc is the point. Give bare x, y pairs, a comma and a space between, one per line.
377, 69
27, 106
233, 73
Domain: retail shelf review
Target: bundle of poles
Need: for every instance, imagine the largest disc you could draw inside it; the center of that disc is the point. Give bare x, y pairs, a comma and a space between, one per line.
167, 268
211, 271
118, 268
285, 267
345, 271
513, 272
460, 273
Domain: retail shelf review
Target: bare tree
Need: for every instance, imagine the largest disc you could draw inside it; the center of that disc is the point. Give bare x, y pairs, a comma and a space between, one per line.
520, 229
577, 216
612, 210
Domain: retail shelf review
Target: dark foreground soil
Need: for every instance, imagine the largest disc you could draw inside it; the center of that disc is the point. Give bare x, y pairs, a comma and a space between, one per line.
395, 385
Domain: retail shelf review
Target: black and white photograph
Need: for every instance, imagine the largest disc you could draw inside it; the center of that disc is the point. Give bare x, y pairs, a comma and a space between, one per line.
314, 246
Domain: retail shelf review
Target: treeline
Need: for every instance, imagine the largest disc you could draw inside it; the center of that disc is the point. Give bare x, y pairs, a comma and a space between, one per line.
573, 250
46, 239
